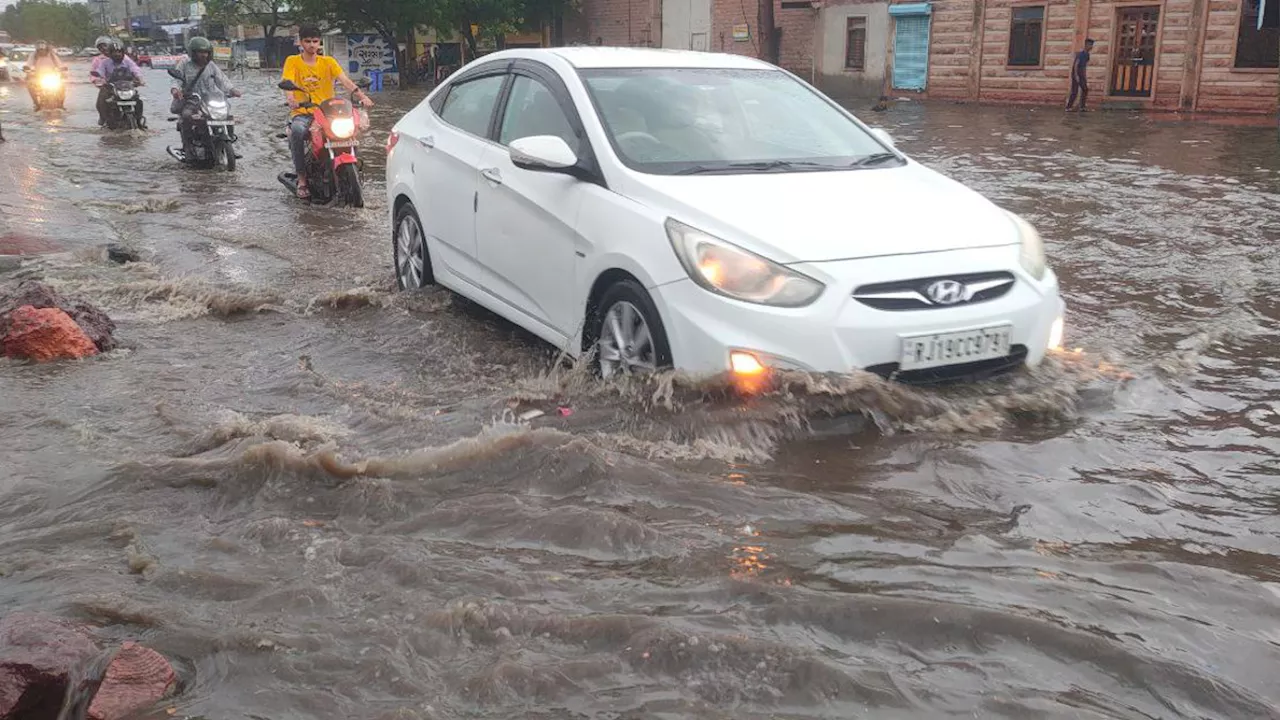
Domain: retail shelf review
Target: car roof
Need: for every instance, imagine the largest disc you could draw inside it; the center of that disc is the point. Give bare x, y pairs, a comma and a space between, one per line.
595, 56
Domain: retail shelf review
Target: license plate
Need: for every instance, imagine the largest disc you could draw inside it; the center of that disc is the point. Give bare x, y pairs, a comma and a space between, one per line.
218, 123
342, 143
920, 352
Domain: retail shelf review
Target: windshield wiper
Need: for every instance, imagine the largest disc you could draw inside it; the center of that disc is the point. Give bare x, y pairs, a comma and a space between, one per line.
764, 166
873, 159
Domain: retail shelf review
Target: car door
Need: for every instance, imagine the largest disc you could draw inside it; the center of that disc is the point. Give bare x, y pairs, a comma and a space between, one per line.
450, 143
526, 219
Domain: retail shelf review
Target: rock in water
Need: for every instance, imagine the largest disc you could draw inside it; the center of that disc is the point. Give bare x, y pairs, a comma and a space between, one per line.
137, 678
91, 320
38, 653
43, 334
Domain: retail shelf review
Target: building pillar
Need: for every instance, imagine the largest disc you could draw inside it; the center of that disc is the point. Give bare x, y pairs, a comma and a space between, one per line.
976, 45
1191, 64
1083, 10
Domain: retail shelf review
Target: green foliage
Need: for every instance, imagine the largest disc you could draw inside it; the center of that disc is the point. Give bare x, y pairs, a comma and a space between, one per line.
66, 24
394, 18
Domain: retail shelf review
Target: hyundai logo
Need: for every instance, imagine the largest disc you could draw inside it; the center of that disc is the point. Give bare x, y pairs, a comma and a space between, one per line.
945, 292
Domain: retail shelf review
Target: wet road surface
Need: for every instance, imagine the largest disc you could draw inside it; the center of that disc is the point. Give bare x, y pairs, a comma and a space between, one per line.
313, 494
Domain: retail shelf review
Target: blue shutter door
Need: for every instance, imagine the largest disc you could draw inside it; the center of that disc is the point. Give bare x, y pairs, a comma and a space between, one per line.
911, 52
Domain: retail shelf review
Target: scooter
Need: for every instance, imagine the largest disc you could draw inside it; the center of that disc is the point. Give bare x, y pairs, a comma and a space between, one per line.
122, 101
50, 88
212, 132
333, 170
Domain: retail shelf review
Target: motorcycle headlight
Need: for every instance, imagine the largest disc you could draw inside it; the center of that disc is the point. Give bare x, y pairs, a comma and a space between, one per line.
343, 128
50, 81
1031, 253
218, 109
729, 270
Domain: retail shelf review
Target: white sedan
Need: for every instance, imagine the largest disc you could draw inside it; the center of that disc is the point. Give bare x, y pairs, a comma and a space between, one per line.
708, 212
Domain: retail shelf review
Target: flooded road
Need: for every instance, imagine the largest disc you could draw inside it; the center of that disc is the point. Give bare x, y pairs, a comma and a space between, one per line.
314, 495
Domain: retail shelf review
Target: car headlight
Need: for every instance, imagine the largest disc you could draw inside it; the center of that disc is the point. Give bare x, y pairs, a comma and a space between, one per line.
729, 270
218, 109
343, 128
50, 81
1031, 254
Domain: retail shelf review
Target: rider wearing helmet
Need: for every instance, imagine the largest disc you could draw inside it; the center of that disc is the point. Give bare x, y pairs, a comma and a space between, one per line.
199, 75
114, 63
44, 59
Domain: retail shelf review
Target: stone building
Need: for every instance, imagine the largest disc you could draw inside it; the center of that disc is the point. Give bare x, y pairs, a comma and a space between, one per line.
1204, 55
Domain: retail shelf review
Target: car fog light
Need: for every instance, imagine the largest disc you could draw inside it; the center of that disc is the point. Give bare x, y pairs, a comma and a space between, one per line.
745, 364
1055, 333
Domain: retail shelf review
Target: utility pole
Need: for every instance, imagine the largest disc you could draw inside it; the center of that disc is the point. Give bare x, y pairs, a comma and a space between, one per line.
128, 25
102, 6
767, 32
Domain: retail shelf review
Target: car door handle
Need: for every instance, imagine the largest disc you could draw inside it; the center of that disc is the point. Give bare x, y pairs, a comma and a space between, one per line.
428, 141
492, 175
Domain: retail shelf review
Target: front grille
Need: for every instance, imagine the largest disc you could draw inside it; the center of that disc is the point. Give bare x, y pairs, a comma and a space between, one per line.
914, 294
979, 370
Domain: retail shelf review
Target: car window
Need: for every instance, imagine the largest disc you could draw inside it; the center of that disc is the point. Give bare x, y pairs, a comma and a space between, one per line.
469, 105
688, 120
534, 110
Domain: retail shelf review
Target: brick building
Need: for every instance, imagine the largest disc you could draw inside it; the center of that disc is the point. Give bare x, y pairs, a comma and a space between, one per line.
1207, 55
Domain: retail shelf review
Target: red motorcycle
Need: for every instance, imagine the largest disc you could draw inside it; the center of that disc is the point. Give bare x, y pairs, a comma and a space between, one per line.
333, 169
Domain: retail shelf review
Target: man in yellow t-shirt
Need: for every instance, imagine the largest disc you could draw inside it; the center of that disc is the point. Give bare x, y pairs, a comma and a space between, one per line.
315, 73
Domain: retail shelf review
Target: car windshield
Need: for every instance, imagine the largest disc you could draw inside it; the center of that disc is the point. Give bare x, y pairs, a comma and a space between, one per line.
685, 121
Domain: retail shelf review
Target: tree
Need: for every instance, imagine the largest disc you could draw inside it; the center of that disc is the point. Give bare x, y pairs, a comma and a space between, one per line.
61, 23
390, 19
270, 15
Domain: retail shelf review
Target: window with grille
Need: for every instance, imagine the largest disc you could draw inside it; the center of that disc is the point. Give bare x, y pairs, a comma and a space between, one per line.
1257, 48
1025, 35
855, 44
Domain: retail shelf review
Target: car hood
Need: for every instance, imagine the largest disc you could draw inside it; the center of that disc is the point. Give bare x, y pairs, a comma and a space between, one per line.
841, 215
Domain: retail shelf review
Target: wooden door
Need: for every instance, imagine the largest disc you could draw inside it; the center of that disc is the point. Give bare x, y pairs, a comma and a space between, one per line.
1133, 71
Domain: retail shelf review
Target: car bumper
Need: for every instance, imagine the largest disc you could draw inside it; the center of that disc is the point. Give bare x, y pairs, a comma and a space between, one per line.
838, 333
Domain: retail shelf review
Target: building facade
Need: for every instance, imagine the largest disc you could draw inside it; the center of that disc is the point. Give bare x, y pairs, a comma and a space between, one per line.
1191, 55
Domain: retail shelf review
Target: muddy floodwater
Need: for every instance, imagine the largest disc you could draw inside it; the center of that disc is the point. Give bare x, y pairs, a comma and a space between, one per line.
315, 494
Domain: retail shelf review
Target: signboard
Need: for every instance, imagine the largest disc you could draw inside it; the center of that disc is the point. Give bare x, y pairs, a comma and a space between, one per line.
741, 33
165, 61
222, 53
369, 52
253, 59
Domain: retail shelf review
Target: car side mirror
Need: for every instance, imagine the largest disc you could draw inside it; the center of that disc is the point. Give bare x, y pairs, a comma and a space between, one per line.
883, 135
288, 85
546, 153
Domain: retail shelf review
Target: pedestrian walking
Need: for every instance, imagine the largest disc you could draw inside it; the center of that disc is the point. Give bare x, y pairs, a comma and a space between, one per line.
1080, 76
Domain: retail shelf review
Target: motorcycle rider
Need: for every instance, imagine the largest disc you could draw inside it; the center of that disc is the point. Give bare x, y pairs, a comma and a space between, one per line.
44, 59
316, 74
200, 74
107, 66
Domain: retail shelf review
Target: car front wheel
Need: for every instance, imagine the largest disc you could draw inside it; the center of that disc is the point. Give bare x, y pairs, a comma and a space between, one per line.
630, 336
409, 247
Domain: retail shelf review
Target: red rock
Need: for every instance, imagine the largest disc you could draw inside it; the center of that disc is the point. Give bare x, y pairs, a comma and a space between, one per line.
45, 334
137, 678
91, 320
38, 655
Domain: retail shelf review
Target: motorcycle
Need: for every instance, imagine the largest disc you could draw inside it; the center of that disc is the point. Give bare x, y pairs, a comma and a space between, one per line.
122, 101
333, 169
212, 131
50, 88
